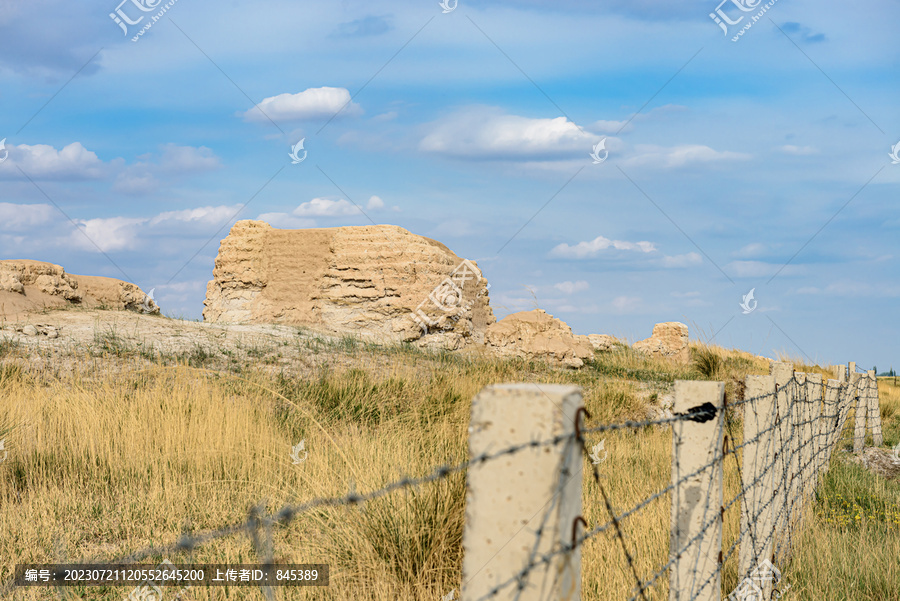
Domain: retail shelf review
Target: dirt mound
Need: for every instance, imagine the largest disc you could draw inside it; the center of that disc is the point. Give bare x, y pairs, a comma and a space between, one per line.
605, 343
28, 286
377, 281
884, 462
669, 340
538, 335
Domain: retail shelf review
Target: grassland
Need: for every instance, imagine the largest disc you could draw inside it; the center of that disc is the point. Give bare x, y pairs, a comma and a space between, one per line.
127, 448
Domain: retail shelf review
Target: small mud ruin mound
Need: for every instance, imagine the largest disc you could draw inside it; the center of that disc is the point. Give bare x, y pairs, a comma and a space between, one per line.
669, 340
28, 286
538, 335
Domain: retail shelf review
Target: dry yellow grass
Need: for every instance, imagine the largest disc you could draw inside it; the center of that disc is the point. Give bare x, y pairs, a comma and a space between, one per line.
108, 464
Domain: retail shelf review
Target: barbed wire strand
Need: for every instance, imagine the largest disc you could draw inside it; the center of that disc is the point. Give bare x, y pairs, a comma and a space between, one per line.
845, 394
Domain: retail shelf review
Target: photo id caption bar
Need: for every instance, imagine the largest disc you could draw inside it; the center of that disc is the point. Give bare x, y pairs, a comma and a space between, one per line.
215, 574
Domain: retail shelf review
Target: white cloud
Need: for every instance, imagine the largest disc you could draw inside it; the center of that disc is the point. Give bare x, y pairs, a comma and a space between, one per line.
487, 133
187, 159
753, 249
212, 215
322, 207
300, 218
312, 103
114, 233
798, 150
592, 249
75, 162
627, 125
173, 161
15, 216
41, 161
135, 182
388, 116
572, 287
682, 260
680, 156
285, 221
124, 233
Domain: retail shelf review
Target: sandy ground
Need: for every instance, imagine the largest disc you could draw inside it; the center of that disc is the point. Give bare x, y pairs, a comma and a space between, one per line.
80, 327
60, 340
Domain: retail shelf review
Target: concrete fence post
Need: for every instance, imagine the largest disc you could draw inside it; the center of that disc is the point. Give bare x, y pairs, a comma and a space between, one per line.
862, 410
757, 466
811, 417
845, 405
697, 502
829, 425
510, 498
783, 373
874, 410
840, 372
798, 402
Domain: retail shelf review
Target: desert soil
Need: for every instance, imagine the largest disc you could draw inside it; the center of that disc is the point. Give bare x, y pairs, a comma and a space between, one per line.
63, 339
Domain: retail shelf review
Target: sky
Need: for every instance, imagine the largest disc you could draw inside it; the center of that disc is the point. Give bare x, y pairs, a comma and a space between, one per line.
617, 164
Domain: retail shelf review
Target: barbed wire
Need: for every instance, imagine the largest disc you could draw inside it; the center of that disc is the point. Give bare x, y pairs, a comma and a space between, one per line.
831, 417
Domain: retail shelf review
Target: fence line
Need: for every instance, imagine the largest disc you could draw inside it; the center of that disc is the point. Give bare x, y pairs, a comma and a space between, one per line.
758, 426
524, 501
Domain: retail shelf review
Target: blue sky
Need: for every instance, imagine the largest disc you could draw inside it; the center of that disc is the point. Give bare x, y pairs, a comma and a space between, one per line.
761, 163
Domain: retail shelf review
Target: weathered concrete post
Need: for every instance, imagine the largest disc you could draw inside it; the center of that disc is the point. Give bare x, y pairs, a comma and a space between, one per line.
798, 402
757, 464
509, 498
783, 373
829, 425
811, 417
862, 410
697, 502
846, 401
874, 410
